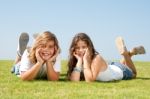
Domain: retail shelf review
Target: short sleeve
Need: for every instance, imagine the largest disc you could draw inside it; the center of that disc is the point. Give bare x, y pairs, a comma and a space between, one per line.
57, 65
25, 63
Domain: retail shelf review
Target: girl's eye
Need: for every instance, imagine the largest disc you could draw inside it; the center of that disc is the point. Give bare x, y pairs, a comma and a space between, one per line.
51, 47
84, 47
77, 48
42, 46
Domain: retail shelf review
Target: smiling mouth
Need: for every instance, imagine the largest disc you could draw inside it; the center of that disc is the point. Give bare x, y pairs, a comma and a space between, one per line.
46, 54
81, 54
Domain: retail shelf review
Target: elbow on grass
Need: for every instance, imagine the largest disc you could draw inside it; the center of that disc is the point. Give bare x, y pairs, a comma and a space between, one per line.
25, 78
89, 80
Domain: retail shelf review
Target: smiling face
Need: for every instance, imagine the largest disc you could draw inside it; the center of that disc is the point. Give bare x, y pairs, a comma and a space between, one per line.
47, 50
80, 48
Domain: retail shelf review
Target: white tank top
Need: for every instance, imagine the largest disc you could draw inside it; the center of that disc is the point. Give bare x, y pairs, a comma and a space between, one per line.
110, 74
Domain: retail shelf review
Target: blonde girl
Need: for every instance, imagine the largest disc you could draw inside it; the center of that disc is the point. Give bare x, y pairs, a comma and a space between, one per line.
42, 60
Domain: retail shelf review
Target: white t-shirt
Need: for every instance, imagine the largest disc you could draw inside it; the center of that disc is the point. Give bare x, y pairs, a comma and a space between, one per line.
26, 65
110, 74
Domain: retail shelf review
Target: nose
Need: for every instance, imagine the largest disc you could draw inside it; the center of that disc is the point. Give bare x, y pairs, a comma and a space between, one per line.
45, 48
81, 50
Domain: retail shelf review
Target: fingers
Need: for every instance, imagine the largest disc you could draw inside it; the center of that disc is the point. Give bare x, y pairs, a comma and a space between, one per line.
77, 56
38, 57
87, 52
74, 54
57, 51
37, 52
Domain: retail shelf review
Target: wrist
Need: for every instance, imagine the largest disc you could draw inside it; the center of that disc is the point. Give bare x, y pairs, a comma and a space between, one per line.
80, 59
49, 62
77, 69
79, 64
85, 68
39, 63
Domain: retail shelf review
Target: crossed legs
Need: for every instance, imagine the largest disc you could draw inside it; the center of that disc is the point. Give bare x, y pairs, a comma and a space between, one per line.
128, 54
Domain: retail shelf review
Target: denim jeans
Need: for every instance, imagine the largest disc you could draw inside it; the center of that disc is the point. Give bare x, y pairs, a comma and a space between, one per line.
127, 72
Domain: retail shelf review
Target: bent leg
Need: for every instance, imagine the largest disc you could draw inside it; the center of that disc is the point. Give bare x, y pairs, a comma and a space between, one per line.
128, 62
126, 56
22, 45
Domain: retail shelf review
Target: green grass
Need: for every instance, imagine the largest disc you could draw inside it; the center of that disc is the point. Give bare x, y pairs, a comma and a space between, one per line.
14, 88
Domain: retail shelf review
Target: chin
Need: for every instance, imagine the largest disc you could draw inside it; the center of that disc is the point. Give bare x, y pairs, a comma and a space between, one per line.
45, 58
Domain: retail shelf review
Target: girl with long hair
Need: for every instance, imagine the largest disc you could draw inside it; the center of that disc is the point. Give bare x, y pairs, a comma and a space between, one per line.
85, 63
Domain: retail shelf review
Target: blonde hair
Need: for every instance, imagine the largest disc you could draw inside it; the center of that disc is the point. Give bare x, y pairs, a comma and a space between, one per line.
42, 39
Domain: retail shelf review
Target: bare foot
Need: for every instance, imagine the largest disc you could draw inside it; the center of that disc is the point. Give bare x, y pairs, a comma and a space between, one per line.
23, 41
121, 46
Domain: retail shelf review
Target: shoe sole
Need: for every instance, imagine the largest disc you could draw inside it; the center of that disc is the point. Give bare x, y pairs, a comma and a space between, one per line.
23, 41
139, 50
12, 69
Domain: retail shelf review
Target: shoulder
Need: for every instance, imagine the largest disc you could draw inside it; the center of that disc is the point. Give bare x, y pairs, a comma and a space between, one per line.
98, 60
97, 57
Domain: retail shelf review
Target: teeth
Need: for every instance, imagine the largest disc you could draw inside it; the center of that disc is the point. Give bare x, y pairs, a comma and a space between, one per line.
45, 54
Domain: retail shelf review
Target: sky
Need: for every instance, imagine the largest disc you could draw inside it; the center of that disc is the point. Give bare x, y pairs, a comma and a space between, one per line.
102, 20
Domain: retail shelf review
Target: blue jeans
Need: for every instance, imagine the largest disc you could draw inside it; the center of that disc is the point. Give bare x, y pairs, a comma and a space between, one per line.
15, 69
127, 72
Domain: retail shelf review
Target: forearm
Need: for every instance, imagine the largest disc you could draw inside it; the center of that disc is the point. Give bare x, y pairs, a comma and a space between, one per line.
75, 76
51, 73
31, 73
87, 72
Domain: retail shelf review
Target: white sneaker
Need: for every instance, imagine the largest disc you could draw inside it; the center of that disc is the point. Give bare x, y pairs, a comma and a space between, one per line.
23, 41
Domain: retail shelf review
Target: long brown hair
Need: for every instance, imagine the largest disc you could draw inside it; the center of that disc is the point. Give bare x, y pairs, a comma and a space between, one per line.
72, 60
42, 39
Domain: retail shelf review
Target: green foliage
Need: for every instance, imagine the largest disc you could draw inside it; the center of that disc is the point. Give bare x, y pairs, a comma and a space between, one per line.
14, 88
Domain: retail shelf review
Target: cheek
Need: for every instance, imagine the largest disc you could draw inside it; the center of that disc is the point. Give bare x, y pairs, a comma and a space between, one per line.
77, 52
52, 51
83, 51
40, 51
80, 53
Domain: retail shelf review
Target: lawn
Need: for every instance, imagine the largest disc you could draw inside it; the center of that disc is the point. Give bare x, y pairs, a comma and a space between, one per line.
14, 88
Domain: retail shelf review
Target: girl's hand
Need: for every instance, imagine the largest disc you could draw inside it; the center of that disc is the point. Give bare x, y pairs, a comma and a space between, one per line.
77, 56
79, 60
87, 56
53, 58
38, 57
